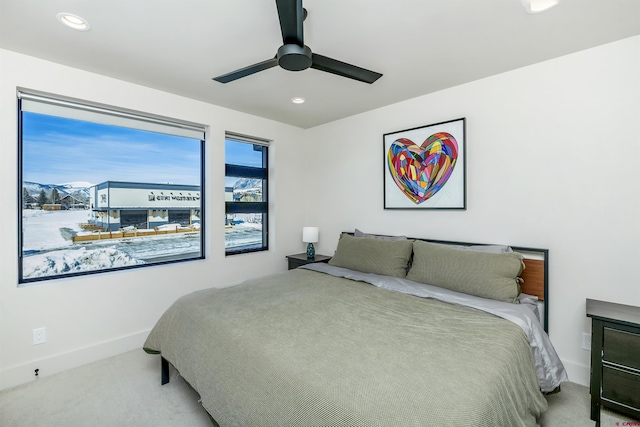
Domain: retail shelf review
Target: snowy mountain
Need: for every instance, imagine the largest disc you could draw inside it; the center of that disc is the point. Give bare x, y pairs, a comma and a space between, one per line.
78, 184
248, 184
247, 190
78, 190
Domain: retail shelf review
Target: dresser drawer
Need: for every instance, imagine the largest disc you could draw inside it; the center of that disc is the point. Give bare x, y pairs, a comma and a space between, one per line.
621, 386
621, 348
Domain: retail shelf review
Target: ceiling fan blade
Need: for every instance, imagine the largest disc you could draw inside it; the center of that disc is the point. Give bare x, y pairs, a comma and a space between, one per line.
246, 71
291, 16
340, 68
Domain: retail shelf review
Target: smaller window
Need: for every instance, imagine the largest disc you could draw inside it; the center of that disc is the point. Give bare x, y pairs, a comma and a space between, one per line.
246, 185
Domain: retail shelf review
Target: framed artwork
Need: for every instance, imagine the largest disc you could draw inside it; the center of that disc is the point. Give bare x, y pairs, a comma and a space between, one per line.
100, 192
424, 167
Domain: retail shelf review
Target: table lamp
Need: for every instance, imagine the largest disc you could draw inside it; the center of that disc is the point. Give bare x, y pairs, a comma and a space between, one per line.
310, 236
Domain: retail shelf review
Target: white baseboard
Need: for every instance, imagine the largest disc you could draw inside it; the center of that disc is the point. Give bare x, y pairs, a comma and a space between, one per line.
24, 373
579, 374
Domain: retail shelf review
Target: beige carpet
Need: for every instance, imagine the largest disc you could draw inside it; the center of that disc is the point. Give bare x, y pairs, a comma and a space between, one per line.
125, 391
572, 407
122, 391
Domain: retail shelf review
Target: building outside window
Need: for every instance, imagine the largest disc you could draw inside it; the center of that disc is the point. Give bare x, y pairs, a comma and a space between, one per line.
133, 205
246, 194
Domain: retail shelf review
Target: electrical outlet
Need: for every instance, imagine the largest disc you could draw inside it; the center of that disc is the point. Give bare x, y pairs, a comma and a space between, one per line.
39, 336
586, 341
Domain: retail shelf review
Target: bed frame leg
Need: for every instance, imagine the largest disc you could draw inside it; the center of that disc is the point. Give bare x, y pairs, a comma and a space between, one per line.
164, 368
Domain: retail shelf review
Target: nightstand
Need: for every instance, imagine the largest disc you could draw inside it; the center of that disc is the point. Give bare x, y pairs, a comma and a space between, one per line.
297, 260
615, 358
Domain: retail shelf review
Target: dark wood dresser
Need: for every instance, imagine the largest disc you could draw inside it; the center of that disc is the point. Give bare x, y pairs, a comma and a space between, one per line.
615, 358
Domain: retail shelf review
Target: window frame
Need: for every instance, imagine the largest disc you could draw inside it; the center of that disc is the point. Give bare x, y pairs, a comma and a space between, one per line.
241, 171
62, 107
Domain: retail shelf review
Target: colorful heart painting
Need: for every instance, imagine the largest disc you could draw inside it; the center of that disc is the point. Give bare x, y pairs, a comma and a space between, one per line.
422, 171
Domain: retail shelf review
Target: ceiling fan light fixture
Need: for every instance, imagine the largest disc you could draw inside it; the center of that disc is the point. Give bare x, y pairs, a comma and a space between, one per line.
537, 6
73, 21
293, 57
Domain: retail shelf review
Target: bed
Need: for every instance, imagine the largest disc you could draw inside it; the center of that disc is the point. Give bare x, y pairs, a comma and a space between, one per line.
367, 340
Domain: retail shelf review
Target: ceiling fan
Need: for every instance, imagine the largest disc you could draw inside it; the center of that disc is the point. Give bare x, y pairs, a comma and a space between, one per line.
294, 55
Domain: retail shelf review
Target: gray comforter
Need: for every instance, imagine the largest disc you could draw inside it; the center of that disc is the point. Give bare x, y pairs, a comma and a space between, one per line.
304, 348
548, 366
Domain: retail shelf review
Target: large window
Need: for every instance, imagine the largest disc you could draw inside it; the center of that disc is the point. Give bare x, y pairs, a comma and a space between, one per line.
104, 189
246, 198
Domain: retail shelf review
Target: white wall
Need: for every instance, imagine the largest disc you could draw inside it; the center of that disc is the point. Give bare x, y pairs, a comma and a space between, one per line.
553, 161
93, 317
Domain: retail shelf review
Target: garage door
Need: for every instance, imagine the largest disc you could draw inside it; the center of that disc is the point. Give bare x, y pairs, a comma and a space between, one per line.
179, 217
136, 219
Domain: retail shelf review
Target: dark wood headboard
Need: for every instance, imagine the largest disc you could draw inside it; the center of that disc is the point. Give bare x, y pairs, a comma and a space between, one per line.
535, 276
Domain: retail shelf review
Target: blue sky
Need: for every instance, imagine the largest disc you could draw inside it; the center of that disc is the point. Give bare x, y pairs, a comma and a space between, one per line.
58, 150
240, 153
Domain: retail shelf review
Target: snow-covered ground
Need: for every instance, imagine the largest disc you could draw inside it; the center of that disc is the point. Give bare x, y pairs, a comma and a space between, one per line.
41, 229
244, 234
48, 249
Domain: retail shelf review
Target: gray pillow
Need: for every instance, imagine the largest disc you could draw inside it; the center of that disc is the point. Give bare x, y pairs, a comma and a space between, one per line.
496, 249
483, 274
386, 257
359, 233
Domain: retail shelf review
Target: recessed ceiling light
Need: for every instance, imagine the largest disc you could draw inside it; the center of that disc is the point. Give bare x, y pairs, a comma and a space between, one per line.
537, 6
297, 100
73, 21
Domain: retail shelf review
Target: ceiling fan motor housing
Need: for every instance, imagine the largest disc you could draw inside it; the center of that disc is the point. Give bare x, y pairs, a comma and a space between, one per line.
293, 57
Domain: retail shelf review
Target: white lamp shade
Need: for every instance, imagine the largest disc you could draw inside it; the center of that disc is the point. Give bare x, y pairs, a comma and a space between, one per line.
310, 234
537, 6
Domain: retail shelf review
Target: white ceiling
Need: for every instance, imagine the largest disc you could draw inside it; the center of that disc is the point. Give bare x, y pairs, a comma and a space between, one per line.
420, 46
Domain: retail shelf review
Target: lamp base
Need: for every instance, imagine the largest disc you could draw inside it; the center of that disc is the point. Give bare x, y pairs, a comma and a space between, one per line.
311, 251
